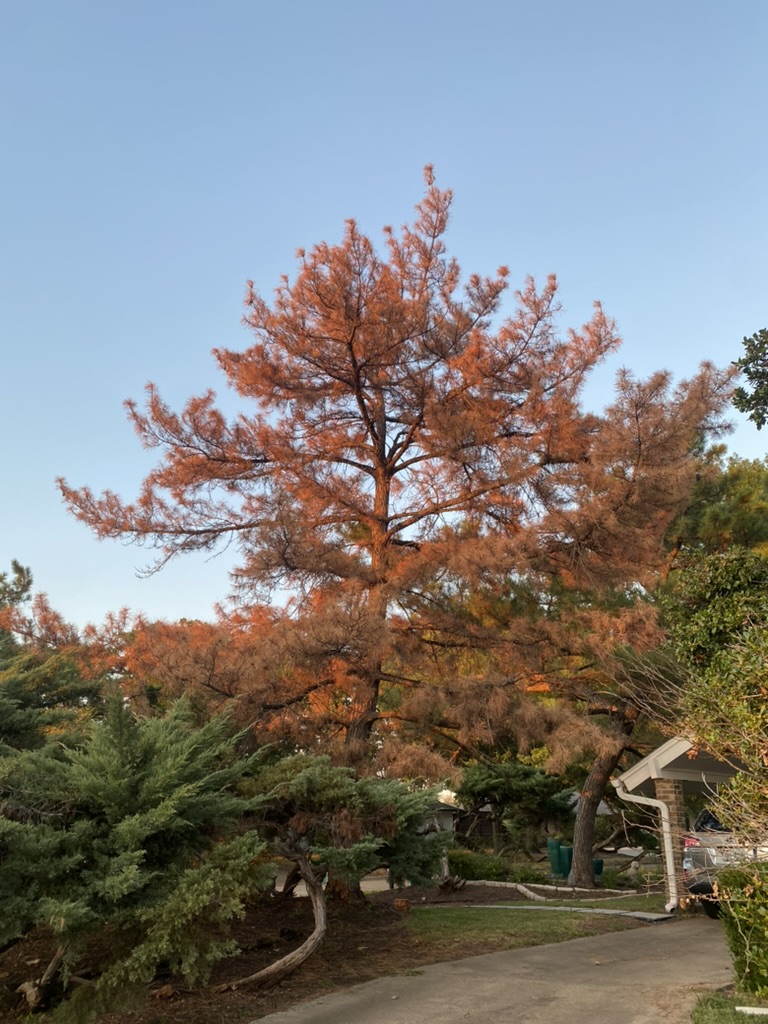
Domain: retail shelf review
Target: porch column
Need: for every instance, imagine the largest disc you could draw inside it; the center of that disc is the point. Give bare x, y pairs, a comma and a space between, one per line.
671, 792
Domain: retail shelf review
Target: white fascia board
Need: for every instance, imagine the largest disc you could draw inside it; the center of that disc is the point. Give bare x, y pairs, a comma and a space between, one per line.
653, 766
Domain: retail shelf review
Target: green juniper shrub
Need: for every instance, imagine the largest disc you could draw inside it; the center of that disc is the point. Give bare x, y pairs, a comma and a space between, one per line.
524, 800
132, 845
352, 825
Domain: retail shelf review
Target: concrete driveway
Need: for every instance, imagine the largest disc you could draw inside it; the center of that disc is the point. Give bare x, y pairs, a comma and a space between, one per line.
650, 975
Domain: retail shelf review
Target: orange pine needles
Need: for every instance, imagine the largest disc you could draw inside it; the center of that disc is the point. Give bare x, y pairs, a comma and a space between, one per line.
417, 473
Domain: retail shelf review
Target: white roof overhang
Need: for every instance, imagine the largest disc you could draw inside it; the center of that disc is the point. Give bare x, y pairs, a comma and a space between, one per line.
677, 759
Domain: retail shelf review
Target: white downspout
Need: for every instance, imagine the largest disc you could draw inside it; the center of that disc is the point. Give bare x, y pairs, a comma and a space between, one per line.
666, 831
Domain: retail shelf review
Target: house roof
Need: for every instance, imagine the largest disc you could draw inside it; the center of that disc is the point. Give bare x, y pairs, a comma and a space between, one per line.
677, 759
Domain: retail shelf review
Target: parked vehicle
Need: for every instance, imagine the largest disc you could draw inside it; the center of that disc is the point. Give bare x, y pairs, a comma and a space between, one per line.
707, 849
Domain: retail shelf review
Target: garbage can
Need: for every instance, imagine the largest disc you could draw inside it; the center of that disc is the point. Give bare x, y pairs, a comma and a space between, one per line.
566, 859
553, 852
597, 867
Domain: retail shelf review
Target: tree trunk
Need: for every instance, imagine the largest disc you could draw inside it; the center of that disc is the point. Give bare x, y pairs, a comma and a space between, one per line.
294, 876
340, 889
582, 873
359, 729
366, 702
287, 965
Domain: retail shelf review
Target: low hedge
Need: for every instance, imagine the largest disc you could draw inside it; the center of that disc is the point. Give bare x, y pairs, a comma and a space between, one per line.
484, 867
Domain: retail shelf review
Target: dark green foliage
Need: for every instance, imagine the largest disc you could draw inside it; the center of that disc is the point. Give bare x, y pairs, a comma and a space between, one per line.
353, 825
16, 586
134, 839
42, 693
754, 366
524, 798
527, 874
477, 866
717, 616
713, 601
43, 696
613, 878
484, 867
411, 853
729, 506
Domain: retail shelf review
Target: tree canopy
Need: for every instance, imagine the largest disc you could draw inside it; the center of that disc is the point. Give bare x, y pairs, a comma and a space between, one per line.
717, 614
415, 477
728, 506
43, 691
754, 365
406, 442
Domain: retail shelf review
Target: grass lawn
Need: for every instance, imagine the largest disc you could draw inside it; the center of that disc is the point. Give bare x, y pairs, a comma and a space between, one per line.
721, 1009
447, 930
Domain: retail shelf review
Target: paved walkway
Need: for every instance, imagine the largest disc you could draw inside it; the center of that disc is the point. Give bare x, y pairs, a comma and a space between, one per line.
649, 975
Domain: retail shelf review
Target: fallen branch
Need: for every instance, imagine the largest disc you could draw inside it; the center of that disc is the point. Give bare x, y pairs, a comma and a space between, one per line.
35, 991
275, 973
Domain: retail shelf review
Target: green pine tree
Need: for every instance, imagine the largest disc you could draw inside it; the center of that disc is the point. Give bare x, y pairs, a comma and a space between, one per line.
42, 692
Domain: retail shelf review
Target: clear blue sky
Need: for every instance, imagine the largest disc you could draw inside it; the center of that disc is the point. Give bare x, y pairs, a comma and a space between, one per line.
157, 154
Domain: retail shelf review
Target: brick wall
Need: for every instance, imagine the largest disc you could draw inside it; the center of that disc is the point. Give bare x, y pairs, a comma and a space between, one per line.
671, 792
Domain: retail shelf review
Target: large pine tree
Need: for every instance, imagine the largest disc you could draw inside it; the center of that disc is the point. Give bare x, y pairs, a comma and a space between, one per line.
407, 456
401, 443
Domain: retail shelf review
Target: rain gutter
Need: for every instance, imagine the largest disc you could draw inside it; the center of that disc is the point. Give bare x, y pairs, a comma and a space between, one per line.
666, 831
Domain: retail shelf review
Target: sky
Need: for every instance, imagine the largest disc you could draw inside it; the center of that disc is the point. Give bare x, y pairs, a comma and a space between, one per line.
156, 155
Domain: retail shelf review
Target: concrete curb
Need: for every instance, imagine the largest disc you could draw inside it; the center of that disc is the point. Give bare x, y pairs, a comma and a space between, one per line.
640, 915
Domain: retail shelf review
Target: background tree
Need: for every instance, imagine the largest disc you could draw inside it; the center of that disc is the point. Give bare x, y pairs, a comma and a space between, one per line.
523, 798
711, 587
717, 612
754, 365
728, 507
43, 692
15, 589
16, 586
713, 606
717, 695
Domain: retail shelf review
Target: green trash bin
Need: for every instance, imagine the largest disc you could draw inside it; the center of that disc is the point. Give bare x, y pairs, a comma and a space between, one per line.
566, 859
597, 867
553, 852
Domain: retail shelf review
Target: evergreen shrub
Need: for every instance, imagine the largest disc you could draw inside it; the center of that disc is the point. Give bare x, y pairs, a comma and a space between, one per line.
743, 896
131, 848
483, 867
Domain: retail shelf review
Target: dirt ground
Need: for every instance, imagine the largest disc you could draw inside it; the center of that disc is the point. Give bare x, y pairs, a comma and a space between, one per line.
364, 941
